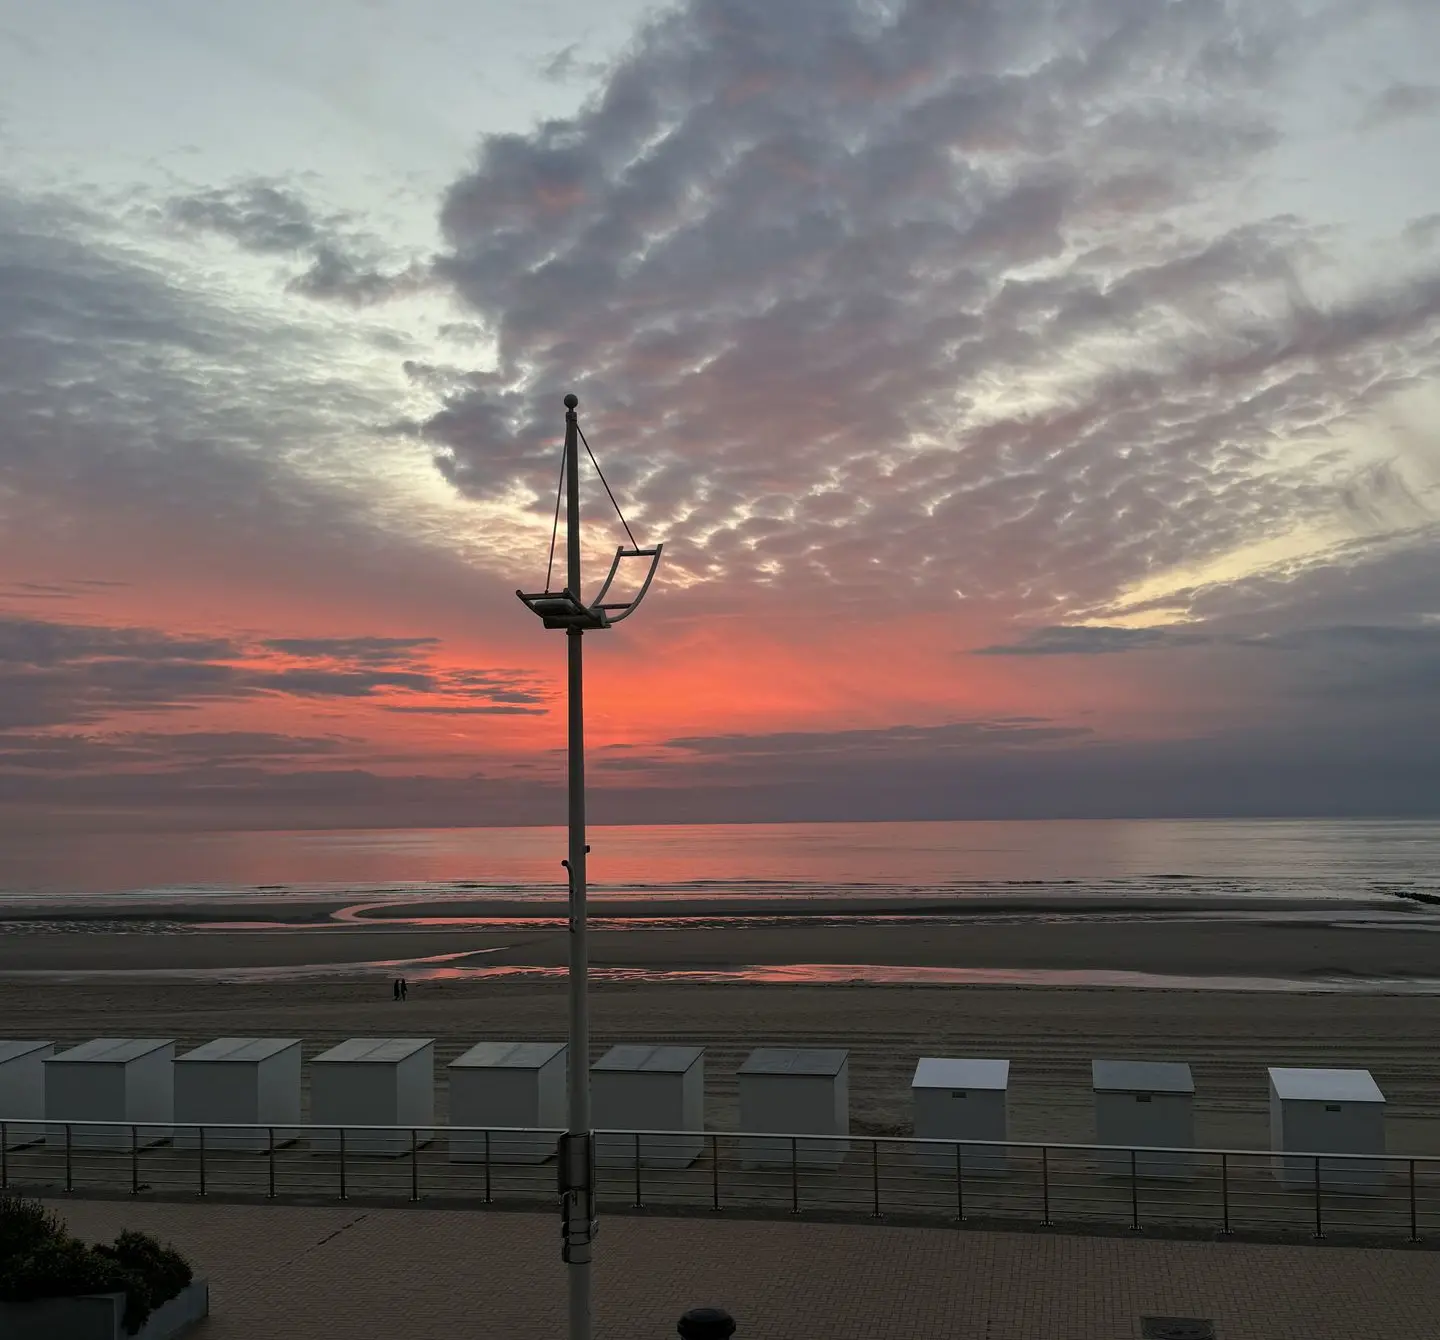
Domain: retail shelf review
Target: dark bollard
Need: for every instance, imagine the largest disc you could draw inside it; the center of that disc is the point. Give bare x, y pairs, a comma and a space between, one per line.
706, 1323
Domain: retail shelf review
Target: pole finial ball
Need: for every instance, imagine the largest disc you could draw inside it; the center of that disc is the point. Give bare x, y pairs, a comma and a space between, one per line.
571, 400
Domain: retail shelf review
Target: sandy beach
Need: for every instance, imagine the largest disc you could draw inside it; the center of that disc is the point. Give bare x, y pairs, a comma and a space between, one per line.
1209, 937
1049, 1033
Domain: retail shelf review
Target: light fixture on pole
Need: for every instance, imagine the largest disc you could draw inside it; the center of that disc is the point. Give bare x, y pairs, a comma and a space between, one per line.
567, 609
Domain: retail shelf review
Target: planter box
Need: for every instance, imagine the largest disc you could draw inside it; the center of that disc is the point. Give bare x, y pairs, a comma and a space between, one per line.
97, 1317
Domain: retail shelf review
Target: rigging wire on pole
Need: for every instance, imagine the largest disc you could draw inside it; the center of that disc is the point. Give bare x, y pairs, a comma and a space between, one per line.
613, 503
559, 494
555, 529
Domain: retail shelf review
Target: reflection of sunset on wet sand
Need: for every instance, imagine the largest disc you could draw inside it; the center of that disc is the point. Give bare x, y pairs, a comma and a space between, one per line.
1291, 941
446, 968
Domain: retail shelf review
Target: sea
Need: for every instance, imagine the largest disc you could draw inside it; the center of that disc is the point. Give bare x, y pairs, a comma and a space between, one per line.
724, 875
1280, 859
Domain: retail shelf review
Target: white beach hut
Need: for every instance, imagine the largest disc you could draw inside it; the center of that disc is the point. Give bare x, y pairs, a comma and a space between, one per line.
962, 1099
793, 1091
517, 1084
1327, 1112
124, 1080
253, 1081
649, 1088
1145, 1103
373, 1082
22, 1089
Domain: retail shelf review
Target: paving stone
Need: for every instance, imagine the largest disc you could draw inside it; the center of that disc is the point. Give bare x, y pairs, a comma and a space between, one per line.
331, 1272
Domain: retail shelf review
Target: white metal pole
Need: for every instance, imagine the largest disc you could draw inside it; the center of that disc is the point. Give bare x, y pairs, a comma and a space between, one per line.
583, 1208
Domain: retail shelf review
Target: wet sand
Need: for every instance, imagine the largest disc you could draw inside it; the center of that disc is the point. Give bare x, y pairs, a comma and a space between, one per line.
1049, 1033
1402, 948
308, 909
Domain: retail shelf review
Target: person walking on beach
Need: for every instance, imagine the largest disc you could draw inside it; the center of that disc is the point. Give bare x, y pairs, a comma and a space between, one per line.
396, 986
404, 988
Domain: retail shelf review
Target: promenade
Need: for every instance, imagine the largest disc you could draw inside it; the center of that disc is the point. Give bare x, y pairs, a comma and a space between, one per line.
336, 1272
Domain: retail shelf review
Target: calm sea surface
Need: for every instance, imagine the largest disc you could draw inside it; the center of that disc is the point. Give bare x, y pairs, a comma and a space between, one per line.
1280, 858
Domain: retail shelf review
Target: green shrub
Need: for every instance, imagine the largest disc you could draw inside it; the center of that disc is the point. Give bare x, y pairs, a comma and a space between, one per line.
61, 1267
24, 1224
159, 1272
38, 1259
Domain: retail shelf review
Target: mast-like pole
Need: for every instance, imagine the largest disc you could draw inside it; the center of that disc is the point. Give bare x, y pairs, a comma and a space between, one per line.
582, 1207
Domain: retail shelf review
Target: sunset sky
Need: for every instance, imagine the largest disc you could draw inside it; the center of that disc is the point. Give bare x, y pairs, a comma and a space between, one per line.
1038, 400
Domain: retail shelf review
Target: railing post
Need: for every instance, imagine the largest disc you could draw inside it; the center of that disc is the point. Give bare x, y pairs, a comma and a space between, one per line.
271, 1192
342, 1164
69, 1157
639, 1201
875, 1178
1414, 1217
714, 1171
1319, 1228
959, 1184
487, 1167
1225, 1195
201, 1130
414, 1165
5, 1157
1045, 1182
794, 1175
134, 1159
1134, 1196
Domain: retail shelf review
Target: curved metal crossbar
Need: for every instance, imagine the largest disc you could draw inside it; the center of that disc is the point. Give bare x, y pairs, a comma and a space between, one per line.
563, 609
625, 608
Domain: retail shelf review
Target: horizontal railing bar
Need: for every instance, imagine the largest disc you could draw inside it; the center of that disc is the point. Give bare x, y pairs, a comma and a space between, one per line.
285, 1126
901, 1141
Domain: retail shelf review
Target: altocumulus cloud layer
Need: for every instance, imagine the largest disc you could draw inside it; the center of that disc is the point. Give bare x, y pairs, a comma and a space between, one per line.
126, 390
980, 338
931, 292
969, 310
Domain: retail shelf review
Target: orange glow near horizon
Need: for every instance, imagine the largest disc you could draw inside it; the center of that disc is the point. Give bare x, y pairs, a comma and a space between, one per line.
728, 678
753, 670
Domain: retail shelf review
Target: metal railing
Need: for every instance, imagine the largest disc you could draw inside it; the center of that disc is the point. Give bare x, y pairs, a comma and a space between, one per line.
1210, 1192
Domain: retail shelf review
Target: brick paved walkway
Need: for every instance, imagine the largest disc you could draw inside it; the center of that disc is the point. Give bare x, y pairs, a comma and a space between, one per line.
332, 1273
